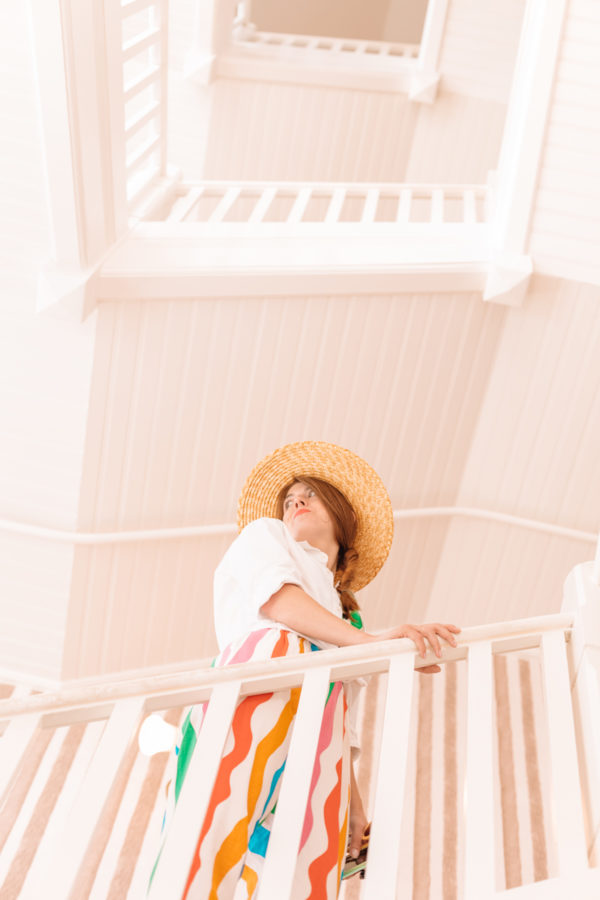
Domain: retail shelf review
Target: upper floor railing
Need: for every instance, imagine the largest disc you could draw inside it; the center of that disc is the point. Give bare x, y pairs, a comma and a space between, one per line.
103, 71
68, 852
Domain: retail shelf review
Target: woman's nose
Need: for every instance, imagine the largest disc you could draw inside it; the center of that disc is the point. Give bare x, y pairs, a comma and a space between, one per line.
300, 501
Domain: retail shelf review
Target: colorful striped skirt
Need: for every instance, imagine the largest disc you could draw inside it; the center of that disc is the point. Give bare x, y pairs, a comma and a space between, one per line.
232, 842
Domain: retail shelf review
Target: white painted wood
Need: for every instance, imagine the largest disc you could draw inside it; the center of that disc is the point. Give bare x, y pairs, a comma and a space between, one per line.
146, 150
136, 45
299, 206
403, 213
117, 736
164, 83
277, 877
433, 32
24, 817
261, 207
137, 122
335, 206
469, 208
36, 883
185, 205
225, 204
178, 850
566, 788
437, 206
135, 6
382, 871
60, 156
525, 124
370, 207
152, 75
13, 744
479, 792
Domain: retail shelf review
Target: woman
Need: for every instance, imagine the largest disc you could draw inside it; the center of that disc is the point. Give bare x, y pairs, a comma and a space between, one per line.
316, 524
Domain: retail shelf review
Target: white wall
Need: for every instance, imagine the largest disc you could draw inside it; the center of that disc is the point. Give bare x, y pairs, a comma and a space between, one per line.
45, 366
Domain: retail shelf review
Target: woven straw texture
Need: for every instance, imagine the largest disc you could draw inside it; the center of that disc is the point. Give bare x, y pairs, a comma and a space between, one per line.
355, 478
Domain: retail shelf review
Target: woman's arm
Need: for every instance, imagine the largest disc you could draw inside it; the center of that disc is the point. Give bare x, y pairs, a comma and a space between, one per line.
293, 607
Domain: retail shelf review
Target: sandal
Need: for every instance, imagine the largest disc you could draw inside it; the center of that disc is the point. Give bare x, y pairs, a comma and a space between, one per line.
356, 866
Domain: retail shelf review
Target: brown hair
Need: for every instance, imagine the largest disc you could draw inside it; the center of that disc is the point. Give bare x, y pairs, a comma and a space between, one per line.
344, 520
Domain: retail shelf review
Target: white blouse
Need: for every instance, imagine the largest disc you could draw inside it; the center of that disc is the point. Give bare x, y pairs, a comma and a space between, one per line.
258, 563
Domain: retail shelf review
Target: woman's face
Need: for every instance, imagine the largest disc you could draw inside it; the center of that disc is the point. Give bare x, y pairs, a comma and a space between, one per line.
307, 517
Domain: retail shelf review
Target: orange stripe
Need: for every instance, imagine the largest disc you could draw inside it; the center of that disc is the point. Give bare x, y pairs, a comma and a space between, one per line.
236, 842
342, 842
251, 879
242, 733
267, 747
323, 864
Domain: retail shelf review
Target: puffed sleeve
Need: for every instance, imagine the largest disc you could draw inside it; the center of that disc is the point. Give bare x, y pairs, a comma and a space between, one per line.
254, 567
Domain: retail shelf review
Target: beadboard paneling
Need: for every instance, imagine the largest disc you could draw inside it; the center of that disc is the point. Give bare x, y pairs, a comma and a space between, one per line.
302, 132
566, 223
479, 47
187, 396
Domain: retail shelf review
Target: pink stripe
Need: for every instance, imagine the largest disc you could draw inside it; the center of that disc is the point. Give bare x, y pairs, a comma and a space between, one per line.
324, 742
248, 647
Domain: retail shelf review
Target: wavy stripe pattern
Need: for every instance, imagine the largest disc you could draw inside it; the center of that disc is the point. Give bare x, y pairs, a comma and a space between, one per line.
232, 842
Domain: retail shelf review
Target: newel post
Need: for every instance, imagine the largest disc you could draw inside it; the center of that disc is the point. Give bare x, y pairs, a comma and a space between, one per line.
582, 599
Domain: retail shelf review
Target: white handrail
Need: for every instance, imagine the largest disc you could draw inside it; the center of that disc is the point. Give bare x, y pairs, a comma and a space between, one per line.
346, 662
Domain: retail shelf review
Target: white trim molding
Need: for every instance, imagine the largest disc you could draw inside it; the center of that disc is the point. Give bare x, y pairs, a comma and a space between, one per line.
514, 184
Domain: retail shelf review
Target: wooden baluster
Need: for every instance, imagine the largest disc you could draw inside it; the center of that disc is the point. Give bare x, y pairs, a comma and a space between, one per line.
370, 207
382, 870
264, 202
479, 807
277, 877
225, 204
299, 206
437, 206
178, 850
566, 788
404, 204
469, 208
335, 206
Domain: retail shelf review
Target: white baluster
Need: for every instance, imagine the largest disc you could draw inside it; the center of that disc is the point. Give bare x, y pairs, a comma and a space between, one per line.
382, 870
117, 736
404, 204
335, 206
225, 204
264, 202
299, 206
566, 788
479, 808
13, 745
469, 208
370, 207
178, 850
278, 874
437, 206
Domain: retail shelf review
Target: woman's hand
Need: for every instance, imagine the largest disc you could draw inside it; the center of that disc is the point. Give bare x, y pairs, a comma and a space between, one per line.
421, 635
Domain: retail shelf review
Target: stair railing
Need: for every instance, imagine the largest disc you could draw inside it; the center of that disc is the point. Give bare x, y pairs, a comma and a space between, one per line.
124, 704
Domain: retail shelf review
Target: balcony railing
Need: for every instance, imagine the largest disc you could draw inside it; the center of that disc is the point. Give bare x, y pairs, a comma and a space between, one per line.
66, 856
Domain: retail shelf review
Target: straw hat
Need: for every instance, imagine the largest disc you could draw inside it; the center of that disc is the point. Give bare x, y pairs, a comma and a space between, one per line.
357, 480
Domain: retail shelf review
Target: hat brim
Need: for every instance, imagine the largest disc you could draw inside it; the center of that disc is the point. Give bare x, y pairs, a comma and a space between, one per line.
345, 470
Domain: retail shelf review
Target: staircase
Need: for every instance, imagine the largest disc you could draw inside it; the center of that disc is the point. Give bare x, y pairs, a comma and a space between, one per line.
82, 806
